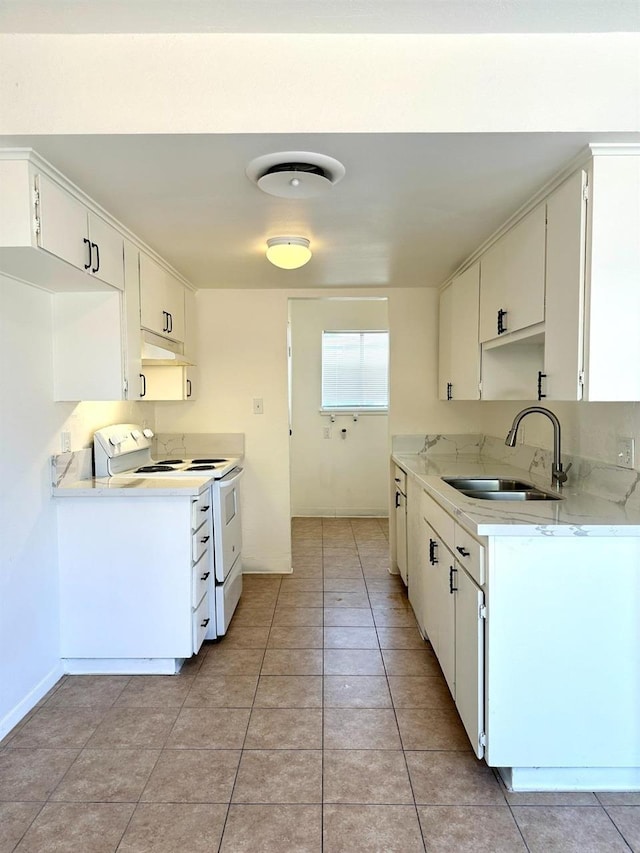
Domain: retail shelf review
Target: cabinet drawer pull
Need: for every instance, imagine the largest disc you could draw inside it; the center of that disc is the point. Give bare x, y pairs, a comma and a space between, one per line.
397, 499
88, 244
541, 376
205, 576
463, 551
204, 508
449, 390
188, 387
143, 389
165, 321
452, 588
205, 622
205, 539
97, 266
397, 479
433, 544
170, 321
501, 326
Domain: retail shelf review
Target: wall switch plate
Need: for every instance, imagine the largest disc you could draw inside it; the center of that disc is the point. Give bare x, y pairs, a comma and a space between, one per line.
65, 442
258, 407
326, 432
626, 453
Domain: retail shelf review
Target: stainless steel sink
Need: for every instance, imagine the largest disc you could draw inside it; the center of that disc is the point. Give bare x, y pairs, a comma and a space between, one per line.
487, 484
499, 489
523, 495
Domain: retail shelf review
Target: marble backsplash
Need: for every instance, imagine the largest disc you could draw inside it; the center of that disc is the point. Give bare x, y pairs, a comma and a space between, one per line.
610, 482
72, 466
193, 444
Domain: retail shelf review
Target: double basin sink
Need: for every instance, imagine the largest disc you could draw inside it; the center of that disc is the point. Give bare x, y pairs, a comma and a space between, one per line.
499, 489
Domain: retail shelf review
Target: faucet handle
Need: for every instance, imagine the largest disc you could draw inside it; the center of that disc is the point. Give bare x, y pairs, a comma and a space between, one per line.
561, 476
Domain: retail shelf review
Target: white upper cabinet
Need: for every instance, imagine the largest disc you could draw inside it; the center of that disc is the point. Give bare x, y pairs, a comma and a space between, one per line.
459, 351
68, 230
512, 291
161, 300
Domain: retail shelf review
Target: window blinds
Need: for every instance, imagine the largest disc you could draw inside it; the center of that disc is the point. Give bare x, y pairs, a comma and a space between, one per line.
355, 370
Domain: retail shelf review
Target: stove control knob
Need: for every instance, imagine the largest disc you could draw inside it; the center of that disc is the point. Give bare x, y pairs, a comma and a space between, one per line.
136, 434
115, 440
148, 433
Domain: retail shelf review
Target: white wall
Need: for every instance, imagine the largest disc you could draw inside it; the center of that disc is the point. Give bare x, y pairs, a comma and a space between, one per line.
248, 83
589, 430
334, 476
242, 338
30, 427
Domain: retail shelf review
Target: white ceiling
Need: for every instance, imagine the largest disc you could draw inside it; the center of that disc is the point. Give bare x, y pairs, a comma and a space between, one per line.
409, 210
319, 16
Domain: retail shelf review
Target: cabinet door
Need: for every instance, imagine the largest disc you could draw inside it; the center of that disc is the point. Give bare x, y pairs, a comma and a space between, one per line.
190, 326
465, 347
401, 535
427, 610
513, 278
564, 322
446, 616
108, 252
190, 375
469, 658
163, 383
161, 300
63, 225
445, 379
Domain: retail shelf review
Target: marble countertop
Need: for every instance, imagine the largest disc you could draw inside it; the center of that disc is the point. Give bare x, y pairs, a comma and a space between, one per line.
577, 514
114, 487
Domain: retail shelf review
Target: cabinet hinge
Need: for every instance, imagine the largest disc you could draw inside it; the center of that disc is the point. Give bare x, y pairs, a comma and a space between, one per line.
125, 387
581, 378
482, 611
482, 738
585, 192
36, 212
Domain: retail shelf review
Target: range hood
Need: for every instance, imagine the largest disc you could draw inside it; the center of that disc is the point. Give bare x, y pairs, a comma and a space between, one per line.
161, 352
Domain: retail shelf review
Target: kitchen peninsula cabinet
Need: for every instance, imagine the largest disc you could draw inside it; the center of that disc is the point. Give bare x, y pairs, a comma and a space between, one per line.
135, 577
458, 347
543, 605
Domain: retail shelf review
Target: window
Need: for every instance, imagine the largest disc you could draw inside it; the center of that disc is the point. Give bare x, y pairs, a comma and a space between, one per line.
355, 371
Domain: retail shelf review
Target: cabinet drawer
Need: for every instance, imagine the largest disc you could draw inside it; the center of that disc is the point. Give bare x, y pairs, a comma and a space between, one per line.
200, 582
200, 621
201, 509
470, 554
400, 479
441, 521
201, 540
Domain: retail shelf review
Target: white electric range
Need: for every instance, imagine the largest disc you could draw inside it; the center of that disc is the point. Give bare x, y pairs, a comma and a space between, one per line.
123, 451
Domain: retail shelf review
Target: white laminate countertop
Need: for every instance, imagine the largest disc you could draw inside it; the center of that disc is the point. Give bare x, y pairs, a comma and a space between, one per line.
118, 487
577, 514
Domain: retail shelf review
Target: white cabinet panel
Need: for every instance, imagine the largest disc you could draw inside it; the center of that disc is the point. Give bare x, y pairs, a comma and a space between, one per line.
63, 225
564, 321
108, 251
458, 347
469, 665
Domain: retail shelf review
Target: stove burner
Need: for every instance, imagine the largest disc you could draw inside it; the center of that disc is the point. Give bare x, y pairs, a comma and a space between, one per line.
207, 461
153, 469
201, 468
171, 462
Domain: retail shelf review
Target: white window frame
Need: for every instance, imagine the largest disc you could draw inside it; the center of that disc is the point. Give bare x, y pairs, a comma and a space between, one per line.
349, 409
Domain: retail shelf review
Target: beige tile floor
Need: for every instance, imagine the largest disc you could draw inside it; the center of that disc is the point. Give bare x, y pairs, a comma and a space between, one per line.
320, 722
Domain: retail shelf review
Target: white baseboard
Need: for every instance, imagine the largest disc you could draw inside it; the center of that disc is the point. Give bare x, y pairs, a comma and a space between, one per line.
340, 512
10, 720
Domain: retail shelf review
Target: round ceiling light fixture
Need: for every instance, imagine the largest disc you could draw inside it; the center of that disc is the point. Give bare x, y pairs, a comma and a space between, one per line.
288, 253
295, 174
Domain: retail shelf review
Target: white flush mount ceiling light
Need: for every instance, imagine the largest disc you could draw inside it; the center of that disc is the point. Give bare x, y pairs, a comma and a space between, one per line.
288, 253
295, 174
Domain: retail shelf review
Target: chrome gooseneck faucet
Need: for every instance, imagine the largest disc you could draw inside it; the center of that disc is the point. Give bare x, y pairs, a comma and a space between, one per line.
558, 476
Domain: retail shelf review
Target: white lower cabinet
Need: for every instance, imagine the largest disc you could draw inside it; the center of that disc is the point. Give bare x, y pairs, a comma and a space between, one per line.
132, 596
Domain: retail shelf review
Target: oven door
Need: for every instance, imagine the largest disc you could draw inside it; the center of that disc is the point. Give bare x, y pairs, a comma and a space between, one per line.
227, 531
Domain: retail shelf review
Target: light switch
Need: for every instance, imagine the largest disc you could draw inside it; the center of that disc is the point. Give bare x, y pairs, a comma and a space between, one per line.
258, 407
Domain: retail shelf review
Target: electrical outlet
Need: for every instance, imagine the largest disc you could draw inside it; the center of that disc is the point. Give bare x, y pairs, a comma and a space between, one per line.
626, 453
65, 442
258, 407
326, 432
